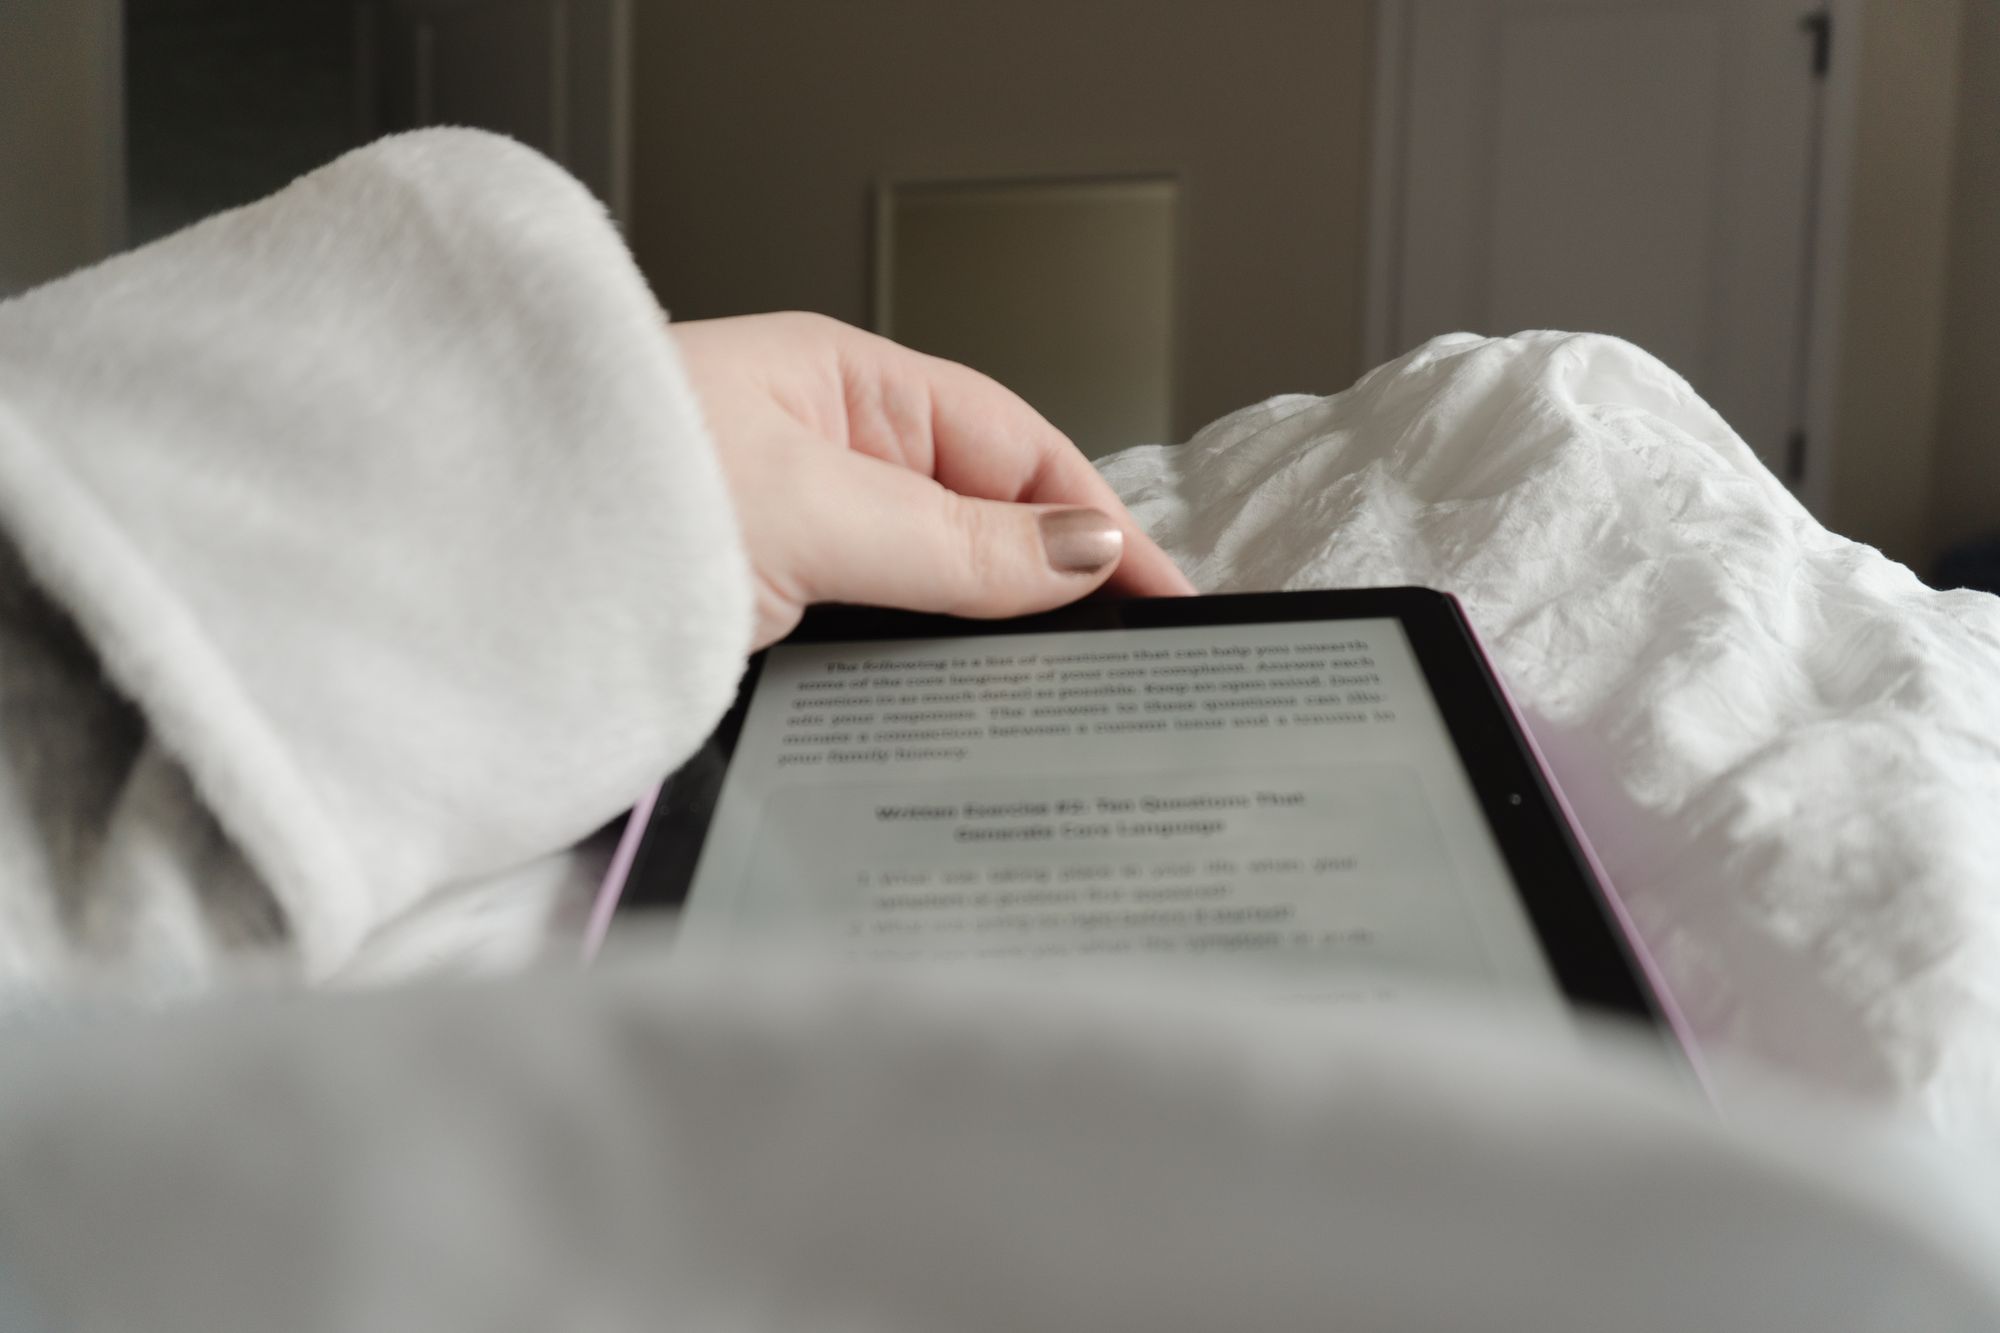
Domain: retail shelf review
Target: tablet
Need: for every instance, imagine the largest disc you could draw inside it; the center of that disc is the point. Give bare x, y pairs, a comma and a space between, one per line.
1325, 794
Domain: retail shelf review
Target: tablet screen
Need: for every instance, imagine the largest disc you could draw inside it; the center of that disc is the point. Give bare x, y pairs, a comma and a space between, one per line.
1282, 801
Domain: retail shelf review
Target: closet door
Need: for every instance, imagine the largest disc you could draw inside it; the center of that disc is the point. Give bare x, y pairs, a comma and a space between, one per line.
554, 74
1646, 168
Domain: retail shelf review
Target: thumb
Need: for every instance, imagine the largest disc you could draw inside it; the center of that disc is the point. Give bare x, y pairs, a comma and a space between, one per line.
904, 541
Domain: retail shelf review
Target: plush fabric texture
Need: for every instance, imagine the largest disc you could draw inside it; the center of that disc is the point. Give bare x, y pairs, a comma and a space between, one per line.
1785, 748
387, 507
775, 1147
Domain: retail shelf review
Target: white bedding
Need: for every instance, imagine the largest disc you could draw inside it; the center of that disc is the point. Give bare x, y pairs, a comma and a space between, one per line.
1784, 747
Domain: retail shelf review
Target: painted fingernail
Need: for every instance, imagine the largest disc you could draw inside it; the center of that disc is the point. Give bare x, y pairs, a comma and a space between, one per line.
1081, 541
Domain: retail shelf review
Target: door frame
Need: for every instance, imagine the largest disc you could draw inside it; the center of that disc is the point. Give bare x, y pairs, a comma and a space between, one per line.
396, 44
1827, 237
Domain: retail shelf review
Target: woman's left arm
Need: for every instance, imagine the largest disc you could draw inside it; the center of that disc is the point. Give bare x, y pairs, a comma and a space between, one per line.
355, 545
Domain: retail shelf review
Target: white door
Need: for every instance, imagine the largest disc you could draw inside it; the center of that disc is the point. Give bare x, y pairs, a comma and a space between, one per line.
1645, 168
554, 74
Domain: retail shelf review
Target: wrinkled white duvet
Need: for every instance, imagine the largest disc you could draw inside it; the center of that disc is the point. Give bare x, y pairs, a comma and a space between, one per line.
1785, 748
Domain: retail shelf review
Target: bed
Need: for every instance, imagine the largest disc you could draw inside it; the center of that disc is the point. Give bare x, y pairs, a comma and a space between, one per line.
1781, 744
1784, 747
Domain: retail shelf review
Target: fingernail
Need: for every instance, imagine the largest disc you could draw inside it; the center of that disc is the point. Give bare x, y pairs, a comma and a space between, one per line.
1081, 541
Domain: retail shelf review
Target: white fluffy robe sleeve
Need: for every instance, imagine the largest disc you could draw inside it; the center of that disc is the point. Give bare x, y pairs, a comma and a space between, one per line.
388, 505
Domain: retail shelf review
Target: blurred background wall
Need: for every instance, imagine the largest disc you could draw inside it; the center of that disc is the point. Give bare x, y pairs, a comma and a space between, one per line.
1897, 276
225, 100
763, 124
62, 125
1965, 490
749, 147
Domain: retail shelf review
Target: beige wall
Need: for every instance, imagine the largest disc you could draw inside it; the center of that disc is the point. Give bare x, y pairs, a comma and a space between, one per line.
1893, 327
61, 145
761, 126
1063, 292
1966, 483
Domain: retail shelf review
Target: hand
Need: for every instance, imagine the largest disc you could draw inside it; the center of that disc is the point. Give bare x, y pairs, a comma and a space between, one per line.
865, 472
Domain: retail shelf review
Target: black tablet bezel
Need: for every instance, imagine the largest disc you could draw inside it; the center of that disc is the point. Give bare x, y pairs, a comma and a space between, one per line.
1571, 909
